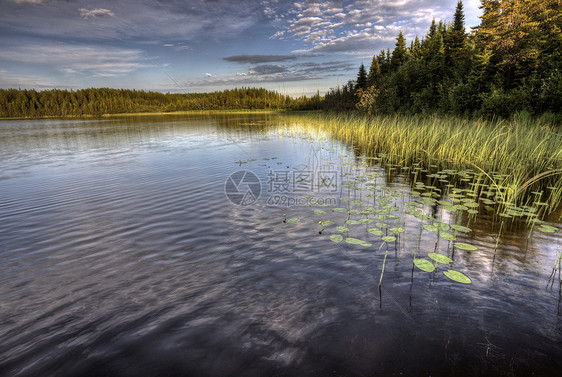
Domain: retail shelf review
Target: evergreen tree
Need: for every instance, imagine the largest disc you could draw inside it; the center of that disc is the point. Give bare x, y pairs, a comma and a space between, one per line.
374, 71
361, 77
399, 53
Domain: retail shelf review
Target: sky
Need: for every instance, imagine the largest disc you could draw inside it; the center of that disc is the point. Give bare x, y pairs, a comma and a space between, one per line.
295, 47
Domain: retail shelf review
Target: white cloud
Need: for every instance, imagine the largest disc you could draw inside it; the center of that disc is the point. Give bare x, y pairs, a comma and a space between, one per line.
14, 80
86, 59
360, 25
95, 13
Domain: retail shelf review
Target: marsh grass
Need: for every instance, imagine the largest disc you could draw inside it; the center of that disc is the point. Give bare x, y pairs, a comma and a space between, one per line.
515, 157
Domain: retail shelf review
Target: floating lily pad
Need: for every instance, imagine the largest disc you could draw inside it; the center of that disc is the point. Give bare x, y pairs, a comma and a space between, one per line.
294, 220
441, 226
457, 276
319, 212
547, 229
448, 236
336, 238
375, 231
342, 229
397, 230
440, 258
460, 228
381, 225
327, 223
355, 241
430, 227
424, 265
339, 210
465, 246
357, 202
389, 239
352, 222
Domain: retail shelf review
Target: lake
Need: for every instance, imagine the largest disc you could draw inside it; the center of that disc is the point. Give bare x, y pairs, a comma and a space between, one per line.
252, 245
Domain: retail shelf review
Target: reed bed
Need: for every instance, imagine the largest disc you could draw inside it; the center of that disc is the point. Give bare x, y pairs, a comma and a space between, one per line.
522, 159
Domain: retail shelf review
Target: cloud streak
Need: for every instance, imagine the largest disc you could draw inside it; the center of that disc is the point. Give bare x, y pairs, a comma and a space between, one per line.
95, 13
256, 59
98, 61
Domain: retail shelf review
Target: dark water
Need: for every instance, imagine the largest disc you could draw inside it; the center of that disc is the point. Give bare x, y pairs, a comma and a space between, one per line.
121, 255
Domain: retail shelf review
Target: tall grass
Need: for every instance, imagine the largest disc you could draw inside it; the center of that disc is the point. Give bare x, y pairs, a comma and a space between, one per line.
528, 154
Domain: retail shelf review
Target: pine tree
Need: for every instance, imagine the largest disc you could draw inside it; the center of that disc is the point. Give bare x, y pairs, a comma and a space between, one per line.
374, 71
361, 77
399, 53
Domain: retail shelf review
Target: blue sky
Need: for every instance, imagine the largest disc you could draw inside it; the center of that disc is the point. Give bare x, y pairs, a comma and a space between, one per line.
296, 47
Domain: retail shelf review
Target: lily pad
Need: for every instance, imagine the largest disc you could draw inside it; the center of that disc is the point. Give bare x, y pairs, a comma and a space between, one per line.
355, 241
375, 231
342, 229
441, 226
339, 210
465, 246
319, 212
440, 258
336, 238
327, 223
448, 236
547, 229
389, 238
431, 228
460, 228
397, 230
424, 265
294, 220
457, 276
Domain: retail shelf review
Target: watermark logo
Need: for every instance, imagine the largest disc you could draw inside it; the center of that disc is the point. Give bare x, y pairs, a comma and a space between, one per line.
243, 188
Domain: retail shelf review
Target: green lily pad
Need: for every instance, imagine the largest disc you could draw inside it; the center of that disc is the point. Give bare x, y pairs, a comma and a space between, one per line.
352, 222
431, 228
457, 276
389, 239
336, 238
375, 231
397, 230
448, 236
547, 229
342, 229
441, 226
339, 210
327, 223
440, 258
465, 246
460, 228
424, 265
355, 241
294, 220
381, 225
319, 212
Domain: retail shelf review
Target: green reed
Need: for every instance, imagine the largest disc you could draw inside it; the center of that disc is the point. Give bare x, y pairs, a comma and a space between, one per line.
527, 156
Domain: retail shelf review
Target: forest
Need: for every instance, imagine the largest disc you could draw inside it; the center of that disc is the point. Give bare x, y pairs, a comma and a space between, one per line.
511, 62
56, 102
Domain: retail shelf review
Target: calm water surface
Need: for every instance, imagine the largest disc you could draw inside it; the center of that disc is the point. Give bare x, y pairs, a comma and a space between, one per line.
121, 254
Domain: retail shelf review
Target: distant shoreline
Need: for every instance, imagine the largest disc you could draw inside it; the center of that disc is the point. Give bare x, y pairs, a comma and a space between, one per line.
187, 112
